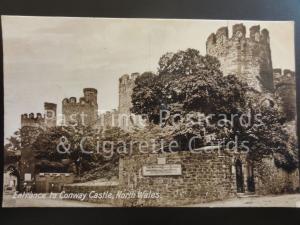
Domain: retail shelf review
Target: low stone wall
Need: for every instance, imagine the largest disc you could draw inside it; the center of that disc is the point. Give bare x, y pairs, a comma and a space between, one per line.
205, 177
93, 192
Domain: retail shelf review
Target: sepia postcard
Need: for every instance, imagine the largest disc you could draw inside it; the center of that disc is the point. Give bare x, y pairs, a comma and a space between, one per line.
111, 112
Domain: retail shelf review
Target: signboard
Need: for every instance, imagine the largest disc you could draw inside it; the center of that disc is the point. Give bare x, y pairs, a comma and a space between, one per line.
27, 177
162, 170
161, 161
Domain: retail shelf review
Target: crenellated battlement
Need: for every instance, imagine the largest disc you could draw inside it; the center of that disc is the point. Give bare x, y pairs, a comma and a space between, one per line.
221, 36
90, 97
71, 100
246, 56
285, 72
48, 119
86, 105
284, 78
32, 116
32, 120
125, 79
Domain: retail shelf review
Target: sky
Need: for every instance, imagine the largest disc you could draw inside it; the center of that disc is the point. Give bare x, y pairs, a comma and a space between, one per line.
49, 58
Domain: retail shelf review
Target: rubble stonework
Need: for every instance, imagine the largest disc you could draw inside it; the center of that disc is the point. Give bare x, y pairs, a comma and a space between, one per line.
247, 57
205, 177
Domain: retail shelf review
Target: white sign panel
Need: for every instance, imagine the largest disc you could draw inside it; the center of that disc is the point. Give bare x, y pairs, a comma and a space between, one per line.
161, 161
162, 170
27, 177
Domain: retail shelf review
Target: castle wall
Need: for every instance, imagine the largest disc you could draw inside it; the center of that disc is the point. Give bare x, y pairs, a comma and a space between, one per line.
203, 177
247, 57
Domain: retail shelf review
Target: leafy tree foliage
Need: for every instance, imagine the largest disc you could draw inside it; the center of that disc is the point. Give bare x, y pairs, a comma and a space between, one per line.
77, 148
12, 149
188, 82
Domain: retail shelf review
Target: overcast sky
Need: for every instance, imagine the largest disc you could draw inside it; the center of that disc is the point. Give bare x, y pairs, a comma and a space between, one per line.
49, 58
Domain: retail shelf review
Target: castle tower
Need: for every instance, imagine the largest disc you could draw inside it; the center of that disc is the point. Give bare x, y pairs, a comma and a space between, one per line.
285, 92
247, 57
50, 114
31, 125
84, 112
126, 85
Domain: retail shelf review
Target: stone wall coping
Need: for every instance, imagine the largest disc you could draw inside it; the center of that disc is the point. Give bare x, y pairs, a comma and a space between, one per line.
95, 184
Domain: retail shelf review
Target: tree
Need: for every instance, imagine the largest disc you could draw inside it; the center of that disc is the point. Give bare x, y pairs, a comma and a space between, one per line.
12, 149
188, 83
59, 149
146, 99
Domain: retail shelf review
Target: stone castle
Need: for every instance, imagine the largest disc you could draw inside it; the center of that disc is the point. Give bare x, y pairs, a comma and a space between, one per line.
85, 110
248, 57
204, 177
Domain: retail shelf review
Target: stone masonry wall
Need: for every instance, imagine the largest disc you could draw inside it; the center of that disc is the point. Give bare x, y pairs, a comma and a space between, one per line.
205, 177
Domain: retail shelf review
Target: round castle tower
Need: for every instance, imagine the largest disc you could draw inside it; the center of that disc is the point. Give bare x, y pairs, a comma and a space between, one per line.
247, 57
126, 85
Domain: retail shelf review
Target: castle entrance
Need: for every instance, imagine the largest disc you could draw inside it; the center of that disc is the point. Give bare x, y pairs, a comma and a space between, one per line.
239, 176
12, 178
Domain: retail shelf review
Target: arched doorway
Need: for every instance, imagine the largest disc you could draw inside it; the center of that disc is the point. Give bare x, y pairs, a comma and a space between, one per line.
250, 178
239, 176
11, 172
